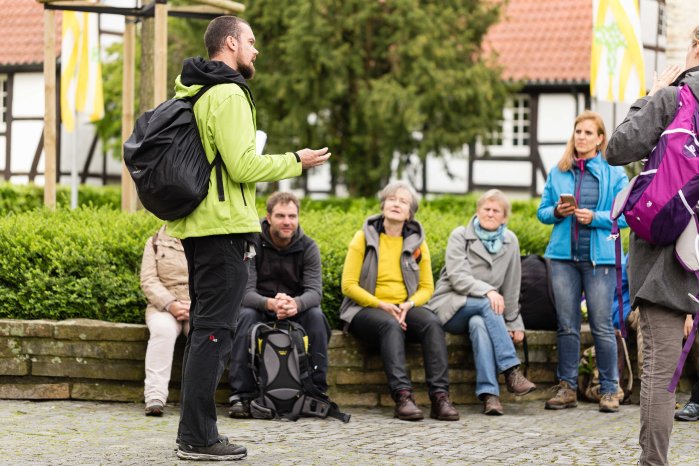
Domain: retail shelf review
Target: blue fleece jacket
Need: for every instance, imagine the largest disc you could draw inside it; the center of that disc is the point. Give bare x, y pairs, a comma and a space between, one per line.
611, 181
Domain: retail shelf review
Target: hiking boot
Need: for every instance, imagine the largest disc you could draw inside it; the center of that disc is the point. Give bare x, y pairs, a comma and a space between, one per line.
609, 403
240, 408
219, 451
491, 405
517, 383
406, 409
442, 409
690, 412
565, 397
155, 408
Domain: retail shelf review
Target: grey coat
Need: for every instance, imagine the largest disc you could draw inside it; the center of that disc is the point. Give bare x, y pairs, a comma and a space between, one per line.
654, 274
470, 270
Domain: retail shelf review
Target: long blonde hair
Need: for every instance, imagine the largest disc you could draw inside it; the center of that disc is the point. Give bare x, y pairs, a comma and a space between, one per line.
566, 162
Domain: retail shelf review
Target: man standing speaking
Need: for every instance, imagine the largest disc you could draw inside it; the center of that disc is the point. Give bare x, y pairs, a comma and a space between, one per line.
217, 236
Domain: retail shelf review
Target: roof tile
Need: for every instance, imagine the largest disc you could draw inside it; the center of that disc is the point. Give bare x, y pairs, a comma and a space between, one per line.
22, 32
544, 40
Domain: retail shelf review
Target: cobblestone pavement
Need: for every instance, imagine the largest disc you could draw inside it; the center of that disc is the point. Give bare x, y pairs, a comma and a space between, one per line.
87, 433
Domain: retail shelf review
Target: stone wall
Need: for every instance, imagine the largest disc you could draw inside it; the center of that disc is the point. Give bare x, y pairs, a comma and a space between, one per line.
93, 360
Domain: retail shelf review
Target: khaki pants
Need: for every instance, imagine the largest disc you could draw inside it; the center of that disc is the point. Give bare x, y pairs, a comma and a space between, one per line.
662, 331
164, 330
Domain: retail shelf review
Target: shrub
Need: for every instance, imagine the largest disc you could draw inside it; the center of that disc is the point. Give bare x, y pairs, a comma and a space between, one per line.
86, 262
23, 198
68, 264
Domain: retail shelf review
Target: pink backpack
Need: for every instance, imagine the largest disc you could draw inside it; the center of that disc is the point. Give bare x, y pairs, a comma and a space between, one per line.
659, 204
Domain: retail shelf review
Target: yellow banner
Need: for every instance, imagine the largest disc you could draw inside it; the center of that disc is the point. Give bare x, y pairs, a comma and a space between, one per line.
617, 71
81, 69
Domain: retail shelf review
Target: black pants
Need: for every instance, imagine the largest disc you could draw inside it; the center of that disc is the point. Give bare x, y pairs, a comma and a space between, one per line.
217, 277
377, 328
312, 320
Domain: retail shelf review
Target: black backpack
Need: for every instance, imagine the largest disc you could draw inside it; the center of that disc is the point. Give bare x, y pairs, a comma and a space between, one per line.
536, 303
283, 369
167, 162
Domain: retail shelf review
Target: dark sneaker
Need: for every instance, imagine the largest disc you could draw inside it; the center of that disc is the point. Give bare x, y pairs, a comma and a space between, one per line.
442, 409
565, 397
690, 412
155, 408
406, 409
240, 408
517, 383
491, 405
219, 451
609, 403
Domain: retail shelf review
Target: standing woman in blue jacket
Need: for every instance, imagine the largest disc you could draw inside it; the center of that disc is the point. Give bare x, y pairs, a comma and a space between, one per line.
582, 257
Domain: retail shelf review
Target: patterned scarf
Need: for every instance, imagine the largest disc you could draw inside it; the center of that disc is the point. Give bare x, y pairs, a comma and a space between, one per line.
492, 240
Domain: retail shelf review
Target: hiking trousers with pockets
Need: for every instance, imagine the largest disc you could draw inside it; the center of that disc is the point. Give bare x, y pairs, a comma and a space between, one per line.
218, 272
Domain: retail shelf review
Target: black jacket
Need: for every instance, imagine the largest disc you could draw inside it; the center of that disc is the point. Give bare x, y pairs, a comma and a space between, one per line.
295, 270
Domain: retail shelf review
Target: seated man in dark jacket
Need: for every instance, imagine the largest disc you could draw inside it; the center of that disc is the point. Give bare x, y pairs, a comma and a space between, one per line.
284, 283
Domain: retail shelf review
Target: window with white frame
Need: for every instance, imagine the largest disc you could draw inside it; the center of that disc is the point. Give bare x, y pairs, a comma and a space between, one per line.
513, 129
3, 102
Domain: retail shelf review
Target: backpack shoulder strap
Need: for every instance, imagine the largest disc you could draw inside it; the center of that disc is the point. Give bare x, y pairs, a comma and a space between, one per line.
217, 163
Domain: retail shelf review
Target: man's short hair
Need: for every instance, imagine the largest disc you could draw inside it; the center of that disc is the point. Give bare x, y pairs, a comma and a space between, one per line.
282, 198
217, 31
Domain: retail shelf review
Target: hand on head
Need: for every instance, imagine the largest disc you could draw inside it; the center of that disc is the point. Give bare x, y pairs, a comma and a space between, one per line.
666, 78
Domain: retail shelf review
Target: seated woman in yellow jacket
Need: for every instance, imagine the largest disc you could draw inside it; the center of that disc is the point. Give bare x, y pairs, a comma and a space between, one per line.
386, 280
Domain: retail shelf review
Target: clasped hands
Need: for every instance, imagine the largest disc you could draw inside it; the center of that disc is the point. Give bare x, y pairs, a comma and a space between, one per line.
399, 311
179, 310
283, 306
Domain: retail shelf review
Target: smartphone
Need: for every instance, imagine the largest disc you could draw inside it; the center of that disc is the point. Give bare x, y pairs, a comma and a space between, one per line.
569, 198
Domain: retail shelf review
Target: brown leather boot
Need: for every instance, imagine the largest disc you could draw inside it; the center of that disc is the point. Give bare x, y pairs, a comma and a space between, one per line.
406, 409
517, 383
565, 397
491, 405
442, 409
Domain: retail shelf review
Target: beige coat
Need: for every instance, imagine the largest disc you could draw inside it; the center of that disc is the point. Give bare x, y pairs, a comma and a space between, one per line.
470, 270
164, 274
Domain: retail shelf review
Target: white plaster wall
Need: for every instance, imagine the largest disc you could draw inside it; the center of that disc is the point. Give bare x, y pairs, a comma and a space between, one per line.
557, 114
683, 16
28, 95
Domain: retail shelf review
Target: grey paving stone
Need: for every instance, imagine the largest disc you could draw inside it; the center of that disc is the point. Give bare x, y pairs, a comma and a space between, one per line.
90, 433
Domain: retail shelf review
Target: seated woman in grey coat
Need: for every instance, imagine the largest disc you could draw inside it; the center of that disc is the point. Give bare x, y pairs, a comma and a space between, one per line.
478, 292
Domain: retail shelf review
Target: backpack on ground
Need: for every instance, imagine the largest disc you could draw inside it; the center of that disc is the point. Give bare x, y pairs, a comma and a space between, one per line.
659, 204
283, 369
167, 161
588, 378
536, 303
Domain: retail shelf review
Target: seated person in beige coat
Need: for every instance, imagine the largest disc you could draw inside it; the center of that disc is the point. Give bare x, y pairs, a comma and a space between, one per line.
164, 281
478, 292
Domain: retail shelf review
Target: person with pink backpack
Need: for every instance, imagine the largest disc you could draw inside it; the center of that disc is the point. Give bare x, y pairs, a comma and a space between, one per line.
661, 279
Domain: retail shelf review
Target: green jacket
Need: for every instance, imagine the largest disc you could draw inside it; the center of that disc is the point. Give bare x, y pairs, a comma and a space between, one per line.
226, 120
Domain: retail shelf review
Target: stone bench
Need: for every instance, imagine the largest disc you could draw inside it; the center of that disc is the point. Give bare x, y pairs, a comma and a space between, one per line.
94, 360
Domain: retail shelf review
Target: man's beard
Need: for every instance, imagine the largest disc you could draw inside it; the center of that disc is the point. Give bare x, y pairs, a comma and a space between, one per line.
247, 71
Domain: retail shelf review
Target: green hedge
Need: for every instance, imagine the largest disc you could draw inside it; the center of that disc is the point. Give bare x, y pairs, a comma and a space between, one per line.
17, 199
85, 263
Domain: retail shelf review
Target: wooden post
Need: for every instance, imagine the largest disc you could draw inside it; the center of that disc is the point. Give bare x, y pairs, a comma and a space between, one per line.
128, 191
50, 109
160, 52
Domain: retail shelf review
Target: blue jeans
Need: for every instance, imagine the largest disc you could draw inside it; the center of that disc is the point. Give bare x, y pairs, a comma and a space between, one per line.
570, 279
493, 350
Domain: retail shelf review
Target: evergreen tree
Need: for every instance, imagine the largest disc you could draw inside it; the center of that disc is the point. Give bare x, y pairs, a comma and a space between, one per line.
374, 80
